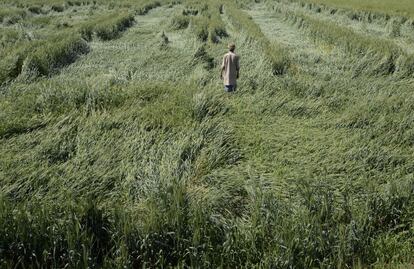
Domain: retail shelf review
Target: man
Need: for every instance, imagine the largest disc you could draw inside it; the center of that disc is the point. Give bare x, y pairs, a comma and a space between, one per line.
230, 69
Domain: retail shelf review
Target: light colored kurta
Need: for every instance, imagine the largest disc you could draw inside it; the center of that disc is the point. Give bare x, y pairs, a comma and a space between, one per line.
231, 67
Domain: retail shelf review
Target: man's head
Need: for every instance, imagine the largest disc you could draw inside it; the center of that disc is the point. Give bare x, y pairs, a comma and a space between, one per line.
232, 47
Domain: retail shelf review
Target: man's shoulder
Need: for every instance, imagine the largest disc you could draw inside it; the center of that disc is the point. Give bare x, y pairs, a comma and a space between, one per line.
234, 55
231, 54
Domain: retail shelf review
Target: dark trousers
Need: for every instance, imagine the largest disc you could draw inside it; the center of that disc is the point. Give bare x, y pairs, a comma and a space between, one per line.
230, 88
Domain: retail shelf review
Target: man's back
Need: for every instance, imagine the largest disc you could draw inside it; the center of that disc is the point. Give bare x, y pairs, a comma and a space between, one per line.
230, 68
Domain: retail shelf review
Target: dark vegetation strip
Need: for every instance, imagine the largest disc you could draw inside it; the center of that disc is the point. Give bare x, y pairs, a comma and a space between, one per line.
277, 55
380, 56
11, 15
145, 8
217, 29
42, 57
205, 20
107, 27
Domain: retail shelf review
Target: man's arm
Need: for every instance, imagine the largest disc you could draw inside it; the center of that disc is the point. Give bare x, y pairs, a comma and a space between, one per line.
238, 67
222, 67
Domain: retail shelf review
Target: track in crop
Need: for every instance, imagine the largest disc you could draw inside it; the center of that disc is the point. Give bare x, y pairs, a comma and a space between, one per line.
283, 149
393, 28
136, 54
309, 57
290, 137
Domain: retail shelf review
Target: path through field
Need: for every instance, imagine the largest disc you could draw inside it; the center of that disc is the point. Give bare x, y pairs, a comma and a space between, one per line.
281, 148
310, 58
132, 56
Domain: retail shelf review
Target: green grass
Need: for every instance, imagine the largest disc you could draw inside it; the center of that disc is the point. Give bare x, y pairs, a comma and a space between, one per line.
275, 53
402, 8
382, 54
107, 27
53, 49
11, 15
119, 147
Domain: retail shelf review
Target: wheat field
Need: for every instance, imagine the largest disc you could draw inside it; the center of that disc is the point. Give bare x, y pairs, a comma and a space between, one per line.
120, 149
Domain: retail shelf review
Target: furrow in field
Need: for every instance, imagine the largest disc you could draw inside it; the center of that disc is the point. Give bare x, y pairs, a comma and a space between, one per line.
276, 142
133, 56
322, 89
308, 56
396, 29
372, 55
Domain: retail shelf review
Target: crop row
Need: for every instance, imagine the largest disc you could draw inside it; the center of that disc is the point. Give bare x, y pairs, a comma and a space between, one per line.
42, 57
367, 16
381, 56
204, 19
30, 3
107, 27
217, 28
11, 15
395, 25
277, 55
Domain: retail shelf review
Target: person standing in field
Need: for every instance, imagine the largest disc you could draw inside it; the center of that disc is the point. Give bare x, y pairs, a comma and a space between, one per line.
230, 69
